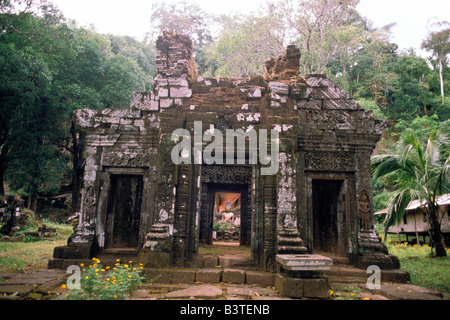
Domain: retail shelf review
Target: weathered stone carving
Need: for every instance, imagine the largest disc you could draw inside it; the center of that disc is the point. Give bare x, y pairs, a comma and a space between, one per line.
84, 116
144, 101
89, 205
226, 174
329, 161
364, 211
118, 157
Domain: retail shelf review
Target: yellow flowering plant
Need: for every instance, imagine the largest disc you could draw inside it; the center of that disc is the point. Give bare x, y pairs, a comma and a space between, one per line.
99, 283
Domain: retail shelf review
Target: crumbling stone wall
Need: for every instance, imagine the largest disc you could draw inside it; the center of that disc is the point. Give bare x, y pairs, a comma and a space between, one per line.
323, 134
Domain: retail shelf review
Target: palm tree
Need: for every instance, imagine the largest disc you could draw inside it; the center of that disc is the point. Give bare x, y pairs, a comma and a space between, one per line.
417, 172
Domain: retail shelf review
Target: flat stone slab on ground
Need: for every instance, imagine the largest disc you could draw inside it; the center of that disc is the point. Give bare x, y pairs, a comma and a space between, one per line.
408, 292
39, 277
205, 291
250, 292
22, 289
235, 261
49, 286
371, 296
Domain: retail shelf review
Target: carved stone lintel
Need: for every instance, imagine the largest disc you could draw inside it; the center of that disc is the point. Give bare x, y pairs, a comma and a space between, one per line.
329, 161
226, 174
117, 157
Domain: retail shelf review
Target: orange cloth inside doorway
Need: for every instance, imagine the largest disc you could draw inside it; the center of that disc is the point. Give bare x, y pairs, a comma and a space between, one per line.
231, 197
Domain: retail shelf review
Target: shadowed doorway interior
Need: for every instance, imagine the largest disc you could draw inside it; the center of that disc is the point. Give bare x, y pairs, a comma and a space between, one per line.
124, 211
329, 216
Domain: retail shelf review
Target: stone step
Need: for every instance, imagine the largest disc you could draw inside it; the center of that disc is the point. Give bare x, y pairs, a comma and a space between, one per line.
108, 257
345, 273
217, 275
292, 249
236, 261
120, 251
339, 260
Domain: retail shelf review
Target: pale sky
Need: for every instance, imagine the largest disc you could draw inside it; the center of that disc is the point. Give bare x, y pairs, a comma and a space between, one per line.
132, 17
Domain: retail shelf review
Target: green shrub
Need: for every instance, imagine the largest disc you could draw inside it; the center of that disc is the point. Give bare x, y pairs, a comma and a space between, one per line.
30, 238
98, 283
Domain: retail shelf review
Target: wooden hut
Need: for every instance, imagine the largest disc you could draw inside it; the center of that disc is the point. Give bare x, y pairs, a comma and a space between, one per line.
415, 221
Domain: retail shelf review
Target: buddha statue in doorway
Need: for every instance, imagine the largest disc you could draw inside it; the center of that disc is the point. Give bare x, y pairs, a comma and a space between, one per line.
228, 215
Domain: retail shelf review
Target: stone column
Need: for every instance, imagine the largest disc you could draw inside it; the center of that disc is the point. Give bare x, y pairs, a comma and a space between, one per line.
157, 251
288, 237
269, 200
182, 209
175, 70
81, 241
371, 251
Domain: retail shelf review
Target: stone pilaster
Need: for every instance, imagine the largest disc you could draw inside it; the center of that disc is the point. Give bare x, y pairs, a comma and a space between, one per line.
175, 70
371, 251
270, 222
288, 237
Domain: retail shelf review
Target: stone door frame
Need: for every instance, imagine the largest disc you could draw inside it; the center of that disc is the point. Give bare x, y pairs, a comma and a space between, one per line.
105, 188
211, 189
228, 177
345, 237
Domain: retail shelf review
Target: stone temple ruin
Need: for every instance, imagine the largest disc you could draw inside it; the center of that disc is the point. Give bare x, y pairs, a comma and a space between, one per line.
318, 202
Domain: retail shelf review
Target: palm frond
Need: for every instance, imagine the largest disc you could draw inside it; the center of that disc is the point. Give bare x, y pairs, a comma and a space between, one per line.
397, 206
384, 164
443, 178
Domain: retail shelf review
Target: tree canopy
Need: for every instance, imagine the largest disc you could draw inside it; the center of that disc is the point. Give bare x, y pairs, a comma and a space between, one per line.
50, 66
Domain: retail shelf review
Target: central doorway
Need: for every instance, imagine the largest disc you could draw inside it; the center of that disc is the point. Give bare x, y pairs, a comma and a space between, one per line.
225, 220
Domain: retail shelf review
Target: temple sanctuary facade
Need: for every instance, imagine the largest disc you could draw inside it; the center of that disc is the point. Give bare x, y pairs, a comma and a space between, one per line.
279, 163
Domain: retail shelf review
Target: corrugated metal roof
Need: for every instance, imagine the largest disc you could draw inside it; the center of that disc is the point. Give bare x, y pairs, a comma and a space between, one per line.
443, 200
415, 204
384, 211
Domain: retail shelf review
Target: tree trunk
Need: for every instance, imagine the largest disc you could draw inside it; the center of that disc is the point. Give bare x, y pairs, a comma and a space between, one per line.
3, 165
441, 77
437, 235
34, 200
2, 185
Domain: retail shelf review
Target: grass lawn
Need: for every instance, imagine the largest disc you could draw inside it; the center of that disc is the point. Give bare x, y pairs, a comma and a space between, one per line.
24, 253
425, 271
224, 249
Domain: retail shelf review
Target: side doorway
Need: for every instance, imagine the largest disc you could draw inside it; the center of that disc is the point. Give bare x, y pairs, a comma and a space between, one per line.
123, 211
330, 216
